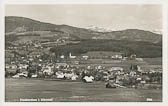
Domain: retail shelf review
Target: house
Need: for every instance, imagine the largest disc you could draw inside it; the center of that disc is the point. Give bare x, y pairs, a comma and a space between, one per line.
132, 73
99, 67
88, 79
89, 67
110, 84
37, 45
35, 54
9, 54
115, 69
143, 82
75, 62
62, 56
139, 79
34, 76
68, 75
47, 70
125, 58
119, 79
22, 52
61, 64
139, 69
11, 68
60, 40
74, 77
22, 74
31, 59
59, 74
133, 57
139, 59
116, 56
23, 66
85, 57
71, 56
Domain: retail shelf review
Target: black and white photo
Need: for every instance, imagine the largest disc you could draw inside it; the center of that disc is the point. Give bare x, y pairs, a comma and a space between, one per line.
83, 52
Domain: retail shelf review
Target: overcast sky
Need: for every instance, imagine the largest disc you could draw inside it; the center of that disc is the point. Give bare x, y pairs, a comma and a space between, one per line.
121, 16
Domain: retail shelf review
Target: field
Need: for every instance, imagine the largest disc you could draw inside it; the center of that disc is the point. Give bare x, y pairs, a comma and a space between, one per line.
154, 61
146, 64
17, 89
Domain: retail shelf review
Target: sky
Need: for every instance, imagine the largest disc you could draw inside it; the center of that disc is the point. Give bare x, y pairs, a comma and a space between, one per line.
113, 16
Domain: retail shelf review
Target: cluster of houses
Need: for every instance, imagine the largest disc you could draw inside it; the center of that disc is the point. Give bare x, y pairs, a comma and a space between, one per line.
113, 76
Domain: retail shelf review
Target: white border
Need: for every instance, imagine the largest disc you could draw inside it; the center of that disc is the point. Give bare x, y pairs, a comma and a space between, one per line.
165, 50
86, 1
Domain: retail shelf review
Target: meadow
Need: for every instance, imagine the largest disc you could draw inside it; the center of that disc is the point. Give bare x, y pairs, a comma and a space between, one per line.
62, 91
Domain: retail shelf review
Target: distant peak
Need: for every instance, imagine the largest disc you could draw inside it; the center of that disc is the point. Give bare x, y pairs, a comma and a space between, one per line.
99, 29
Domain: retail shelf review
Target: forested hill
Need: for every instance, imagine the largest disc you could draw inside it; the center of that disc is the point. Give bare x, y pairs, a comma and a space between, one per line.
141, 49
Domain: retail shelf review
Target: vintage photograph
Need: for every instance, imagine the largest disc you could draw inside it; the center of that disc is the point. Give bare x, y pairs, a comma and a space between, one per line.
83, 52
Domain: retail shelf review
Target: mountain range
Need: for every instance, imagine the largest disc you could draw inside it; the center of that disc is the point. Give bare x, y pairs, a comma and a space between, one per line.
19, 25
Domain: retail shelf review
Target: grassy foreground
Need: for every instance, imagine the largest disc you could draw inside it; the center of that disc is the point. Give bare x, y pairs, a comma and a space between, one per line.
16, 89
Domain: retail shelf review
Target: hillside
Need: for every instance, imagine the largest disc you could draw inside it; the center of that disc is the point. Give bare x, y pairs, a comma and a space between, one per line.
141, 49
21, 24
135, 34
18, 25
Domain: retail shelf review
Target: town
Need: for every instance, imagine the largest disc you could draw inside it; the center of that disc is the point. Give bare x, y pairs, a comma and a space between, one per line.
33, 59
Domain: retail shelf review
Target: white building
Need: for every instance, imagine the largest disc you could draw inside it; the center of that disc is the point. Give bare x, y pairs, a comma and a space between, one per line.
72, 57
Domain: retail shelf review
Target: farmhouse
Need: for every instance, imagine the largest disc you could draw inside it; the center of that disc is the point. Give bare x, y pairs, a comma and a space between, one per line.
71, 56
